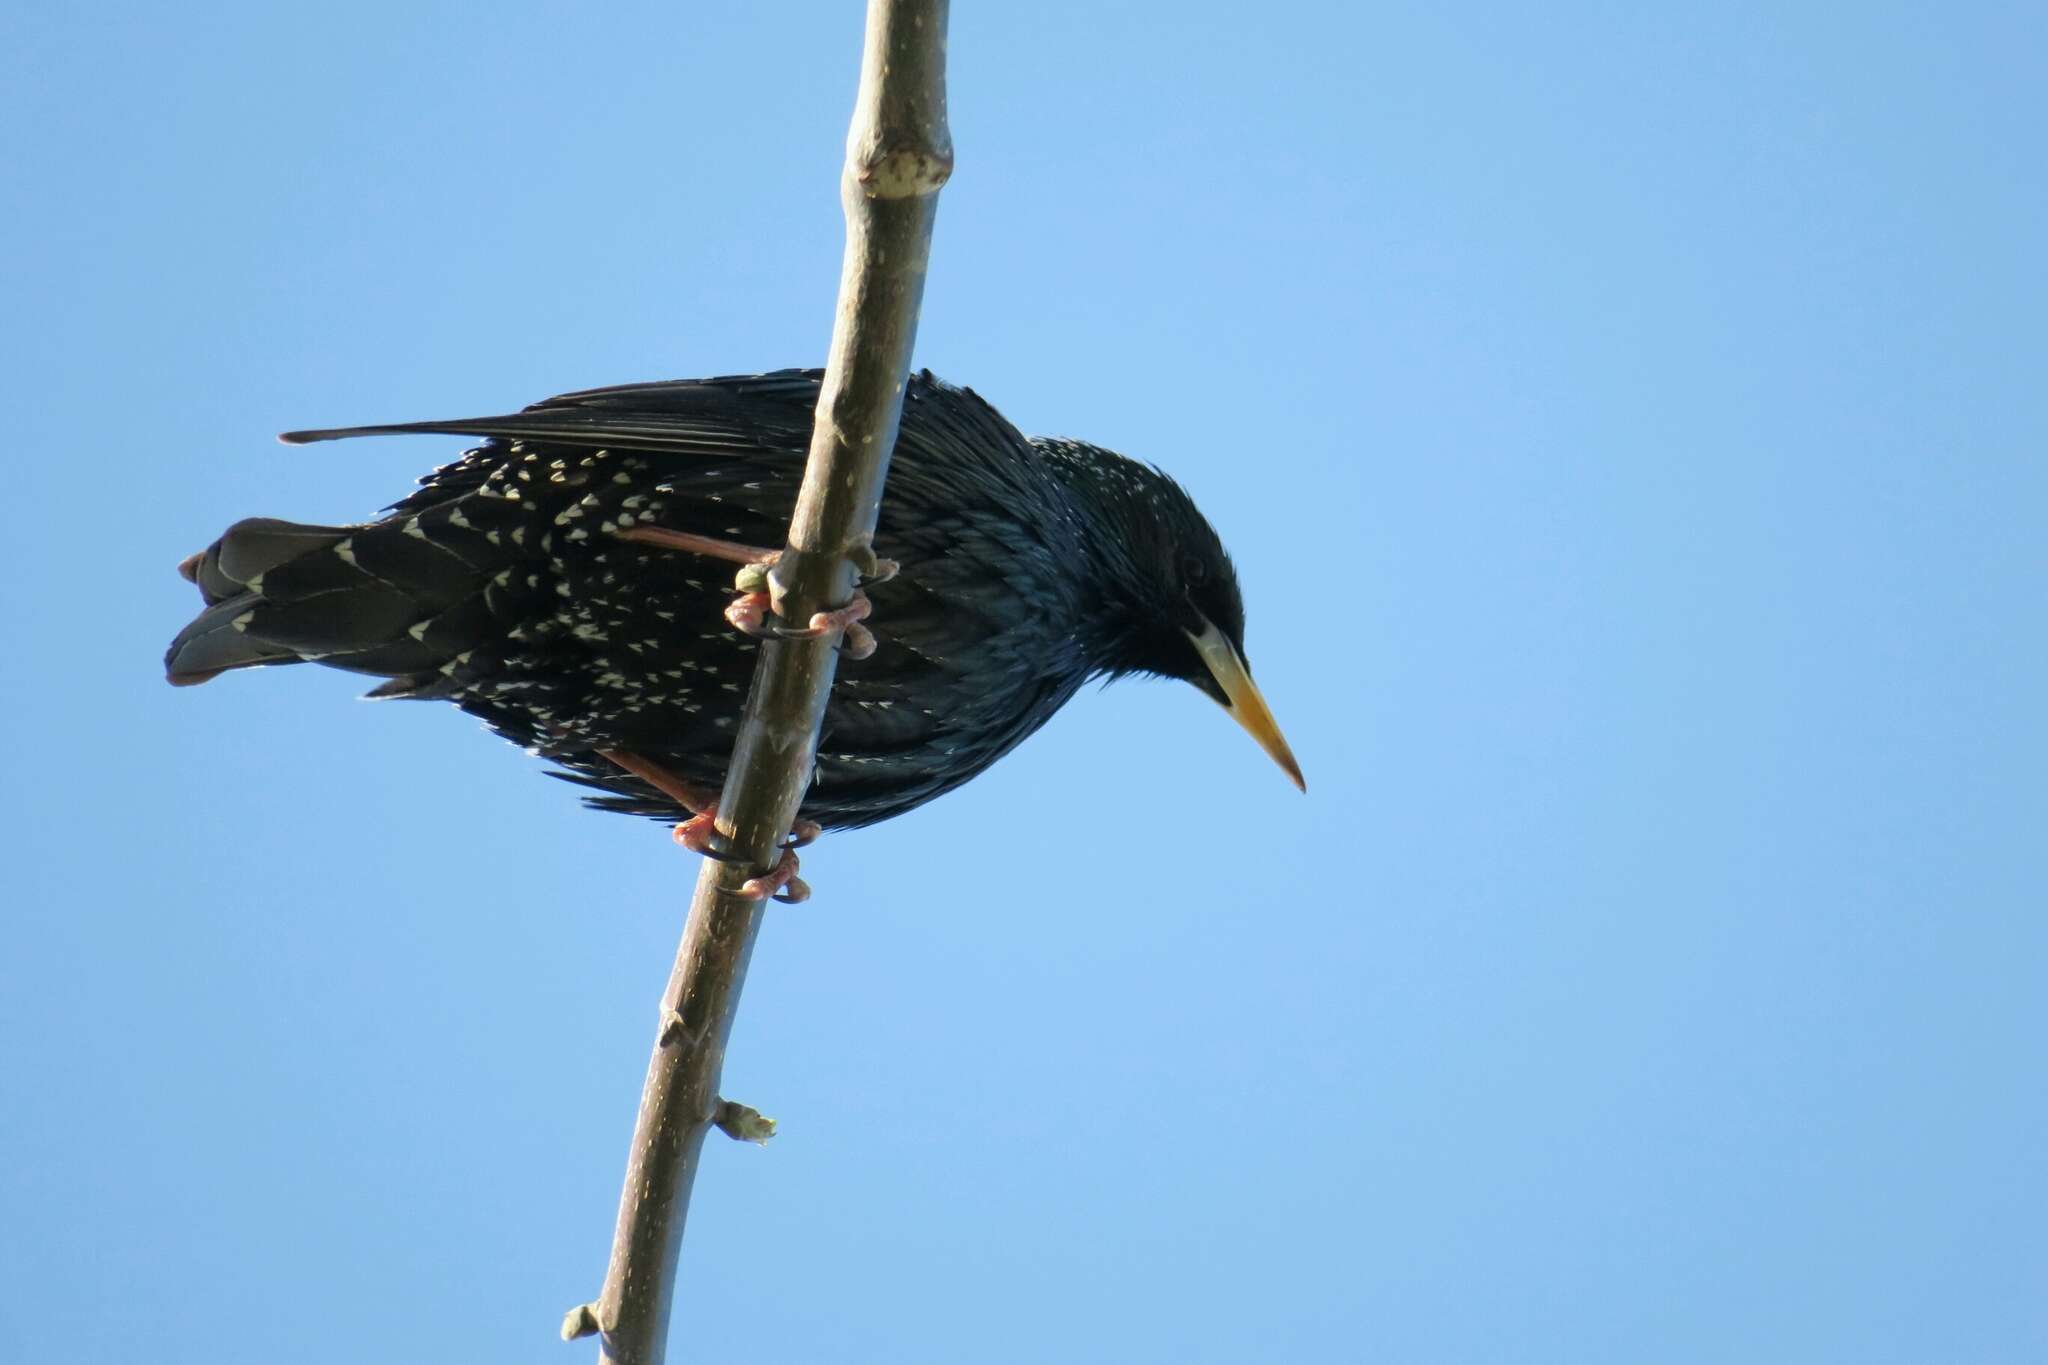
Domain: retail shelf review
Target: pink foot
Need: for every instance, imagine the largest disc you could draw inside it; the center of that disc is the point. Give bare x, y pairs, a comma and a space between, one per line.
856, 640
698, 833
748, 613
780, 882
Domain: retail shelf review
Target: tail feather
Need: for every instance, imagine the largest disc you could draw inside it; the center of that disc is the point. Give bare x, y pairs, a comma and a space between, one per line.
217, 640
372, 599
344, 621
254, 547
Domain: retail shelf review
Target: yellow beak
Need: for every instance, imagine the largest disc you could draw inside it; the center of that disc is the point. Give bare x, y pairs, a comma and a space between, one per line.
1245, 705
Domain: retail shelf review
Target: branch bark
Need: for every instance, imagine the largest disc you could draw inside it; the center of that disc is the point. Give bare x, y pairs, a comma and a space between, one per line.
899, 154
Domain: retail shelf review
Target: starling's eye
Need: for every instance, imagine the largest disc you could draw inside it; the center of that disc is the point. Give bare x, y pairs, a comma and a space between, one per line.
1193, 571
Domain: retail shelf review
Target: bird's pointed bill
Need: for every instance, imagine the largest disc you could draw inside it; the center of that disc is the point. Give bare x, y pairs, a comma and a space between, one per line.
1244, 703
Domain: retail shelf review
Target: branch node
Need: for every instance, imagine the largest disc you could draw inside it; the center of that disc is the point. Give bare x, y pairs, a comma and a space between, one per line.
673, 1027
743, 1123
904, 172
580, 1321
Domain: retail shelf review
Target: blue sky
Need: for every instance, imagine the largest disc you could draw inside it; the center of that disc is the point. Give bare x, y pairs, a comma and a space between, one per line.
1628, 424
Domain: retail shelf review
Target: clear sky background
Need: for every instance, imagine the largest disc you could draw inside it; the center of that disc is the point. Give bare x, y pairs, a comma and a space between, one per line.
1628, 422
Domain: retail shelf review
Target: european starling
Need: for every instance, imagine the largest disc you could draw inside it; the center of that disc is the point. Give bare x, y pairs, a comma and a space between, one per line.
537, 583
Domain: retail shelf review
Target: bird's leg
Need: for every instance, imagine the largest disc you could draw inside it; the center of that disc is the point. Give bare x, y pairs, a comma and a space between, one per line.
701, 802
749, 612
688, 543
699, 833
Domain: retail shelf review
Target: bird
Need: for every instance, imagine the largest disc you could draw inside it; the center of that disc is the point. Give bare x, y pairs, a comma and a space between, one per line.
569, 581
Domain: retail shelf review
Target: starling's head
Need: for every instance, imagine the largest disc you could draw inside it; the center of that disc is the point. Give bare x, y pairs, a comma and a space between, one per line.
1163, 597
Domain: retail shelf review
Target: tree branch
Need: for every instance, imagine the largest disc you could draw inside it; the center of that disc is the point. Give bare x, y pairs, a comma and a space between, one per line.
898, 155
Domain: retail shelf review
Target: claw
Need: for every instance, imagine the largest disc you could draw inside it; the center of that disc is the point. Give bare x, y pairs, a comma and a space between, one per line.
823, 623
698, 833
858, 642
748, 613
871, 567
779, 881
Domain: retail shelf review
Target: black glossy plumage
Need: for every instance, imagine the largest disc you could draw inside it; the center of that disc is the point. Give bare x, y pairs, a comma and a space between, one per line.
1028, 566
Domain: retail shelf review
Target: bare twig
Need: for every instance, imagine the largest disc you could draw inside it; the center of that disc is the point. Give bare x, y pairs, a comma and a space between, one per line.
899, 153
